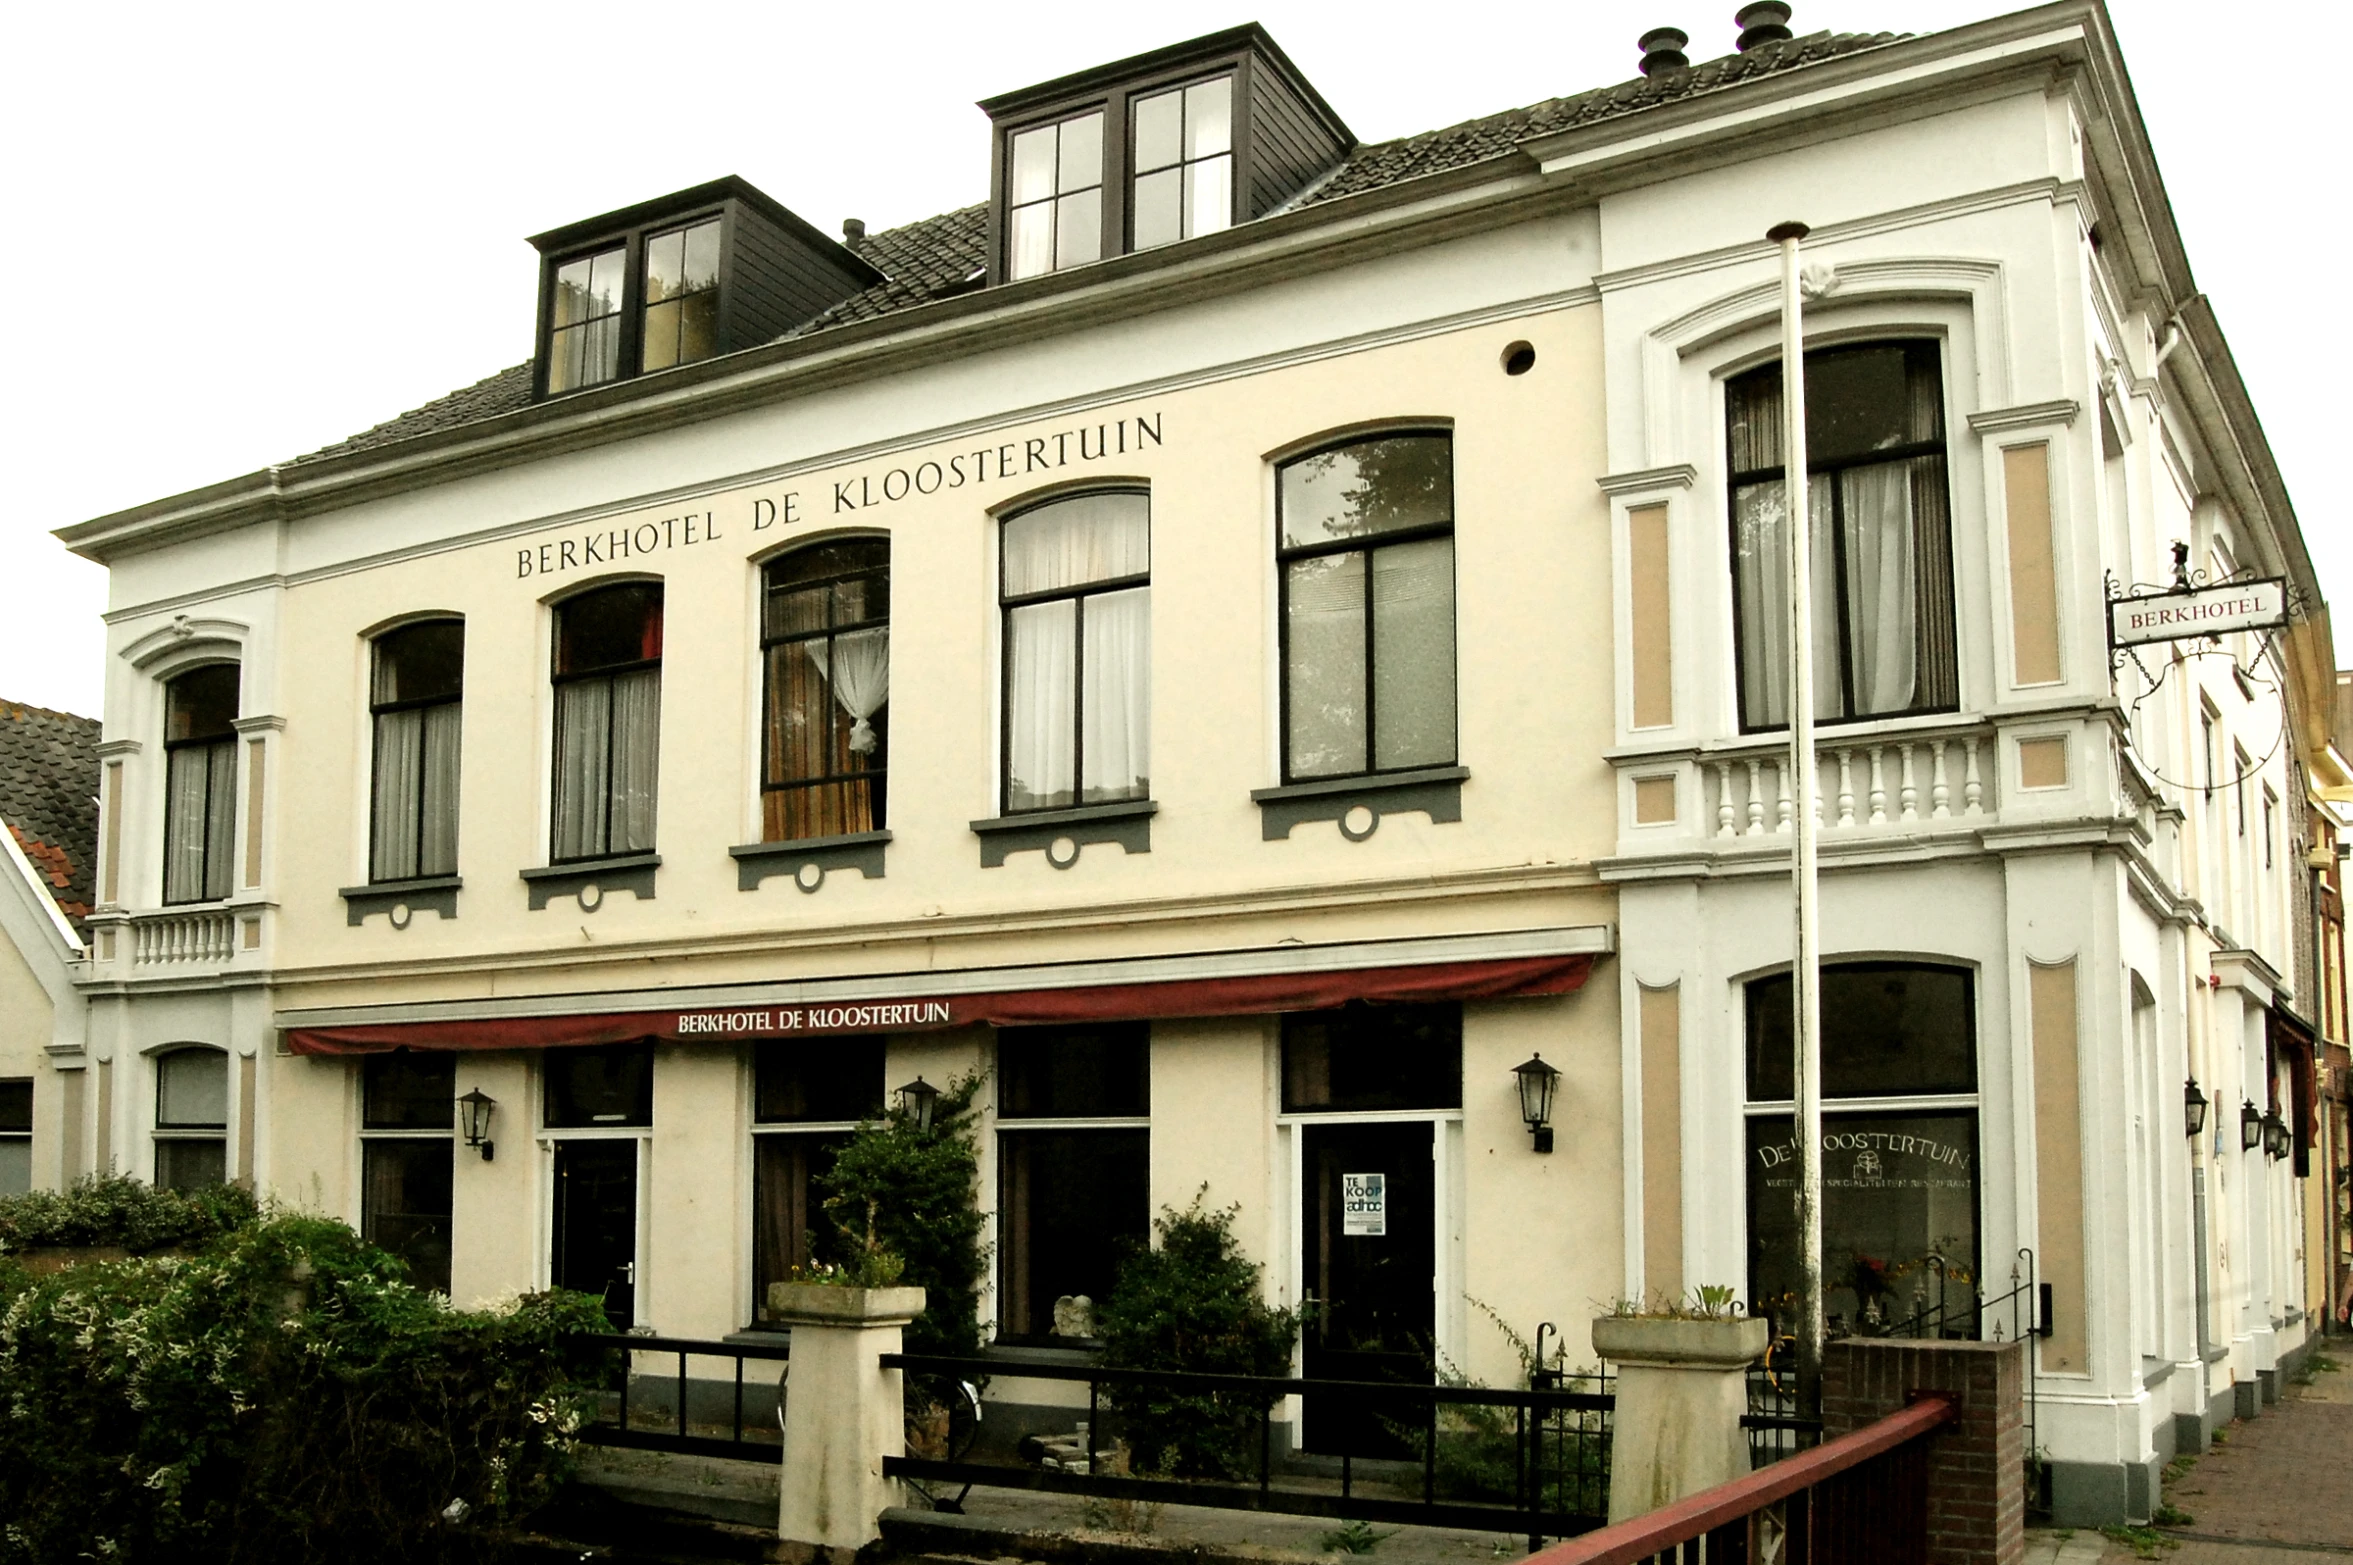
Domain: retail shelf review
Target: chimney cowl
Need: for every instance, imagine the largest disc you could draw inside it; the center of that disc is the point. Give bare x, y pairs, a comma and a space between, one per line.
1762, 22
853, 230
1662, 50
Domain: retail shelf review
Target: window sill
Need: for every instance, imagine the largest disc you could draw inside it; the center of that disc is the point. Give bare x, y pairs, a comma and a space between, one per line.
1088, 1351
1436, 791
592, 880
807, 860
1059, 834
399, 900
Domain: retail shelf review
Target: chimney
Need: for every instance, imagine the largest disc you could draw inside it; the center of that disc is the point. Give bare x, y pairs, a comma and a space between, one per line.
1662, 50
1760, 23
854, 228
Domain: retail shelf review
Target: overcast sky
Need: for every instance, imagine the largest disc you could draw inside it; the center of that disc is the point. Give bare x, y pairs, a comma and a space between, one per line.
243, 231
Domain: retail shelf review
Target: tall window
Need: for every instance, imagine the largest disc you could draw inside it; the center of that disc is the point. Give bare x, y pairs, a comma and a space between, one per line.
608, 679
1878, 526
200, 784
584, 332
1899, 1149
16, 1137
1184, 163
826, 631
191, 1118
406, 1157
1078, 652
1366, 554
420, 678
809, 1094
1075, 1164
1054, 215
682, 295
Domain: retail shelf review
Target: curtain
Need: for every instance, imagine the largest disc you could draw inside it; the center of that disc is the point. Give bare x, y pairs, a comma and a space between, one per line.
1099, 537
583, 721
1117, 706
637, 725
400, 762
1323, 664
1041, 665
860, 677
437, 840
1760, 571
184, 835
1413, 654
1882, 606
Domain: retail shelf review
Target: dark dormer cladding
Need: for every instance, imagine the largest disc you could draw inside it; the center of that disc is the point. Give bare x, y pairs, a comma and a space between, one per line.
678, 279
1152, 150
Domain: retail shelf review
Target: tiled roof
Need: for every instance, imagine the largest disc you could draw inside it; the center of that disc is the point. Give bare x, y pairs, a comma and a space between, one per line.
49, 798
940, 256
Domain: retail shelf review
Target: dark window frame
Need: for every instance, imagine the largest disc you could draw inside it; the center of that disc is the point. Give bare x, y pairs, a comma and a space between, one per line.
1118, 1135
609, 673
1231, 73
621, 1123
1007, 603
1367, 545
877, 778
379, 709
173, 748
632, 240
1818, 468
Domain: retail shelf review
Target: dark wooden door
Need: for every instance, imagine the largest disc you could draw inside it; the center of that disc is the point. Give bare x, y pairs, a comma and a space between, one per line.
1370, 1227
596, 1224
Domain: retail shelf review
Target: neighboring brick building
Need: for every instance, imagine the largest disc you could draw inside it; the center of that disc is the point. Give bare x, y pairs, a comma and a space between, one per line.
48, 798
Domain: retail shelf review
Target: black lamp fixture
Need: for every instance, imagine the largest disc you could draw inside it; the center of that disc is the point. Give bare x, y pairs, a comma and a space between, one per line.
2275, 1134
2193, 1109
916, 1100
2250, 1126
476, 1107
1537, 1080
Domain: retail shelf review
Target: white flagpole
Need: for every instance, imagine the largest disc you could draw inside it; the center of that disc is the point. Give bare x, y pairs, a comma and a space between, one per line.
1806, 967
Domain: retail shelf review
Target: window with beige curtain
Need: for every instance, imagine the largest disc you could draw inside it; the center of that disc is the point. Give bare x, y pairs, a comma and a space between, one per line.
200, 784
1077, 595
1879, 526
415, 702
826, 640
608, 689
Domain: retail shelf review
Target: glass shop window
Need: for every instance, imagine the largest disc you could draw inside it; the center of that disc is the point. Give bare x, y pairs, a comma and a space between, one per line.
808, 1095
1364, 1057
407, 1157
611, 1085
1074, 1154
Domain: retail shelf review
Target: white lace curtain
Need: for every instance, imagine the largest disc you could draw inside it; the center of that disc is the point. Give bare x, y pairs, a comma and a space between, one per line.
1092, 538
858, 672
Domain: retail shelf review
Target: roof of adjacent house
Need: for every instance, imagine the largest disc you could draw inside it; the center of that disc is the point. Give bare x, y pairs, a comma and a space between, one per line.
49, 798
946, 255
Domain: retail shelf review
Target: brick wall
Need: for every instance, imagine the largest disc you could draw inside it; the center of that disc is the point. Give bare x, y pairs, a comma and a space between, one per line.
1976, 1467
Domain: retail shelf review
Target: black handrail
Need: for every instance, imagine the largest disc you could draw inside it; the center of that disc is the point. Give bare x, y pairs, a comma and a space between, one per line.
620, 1433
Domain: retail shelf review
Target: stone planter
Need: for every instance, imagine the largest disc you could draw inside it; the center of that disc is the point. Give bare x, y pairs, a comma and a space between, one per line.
843, 1412
1682, 1388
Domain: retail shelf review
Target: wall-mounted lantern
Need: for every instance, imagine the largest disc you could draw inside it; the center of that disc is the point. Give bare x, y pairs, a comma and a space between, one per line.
916, 1100
2250, 1126
1537, 1080
476, 1107
2193, 1109
2275, 1135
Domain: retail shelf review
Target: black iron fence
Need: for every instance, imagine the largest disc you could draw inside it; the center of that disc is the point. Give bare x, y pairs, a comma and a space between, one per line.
1533, 1462
684, 1394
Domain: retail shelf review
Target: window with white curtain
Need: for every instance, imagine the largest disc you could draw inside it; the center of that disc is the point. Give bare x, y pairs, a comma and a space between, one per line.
608, 688
1077, 594
826, 638
191, 1118
200, 784
1880, 529
1366, 556
415, 700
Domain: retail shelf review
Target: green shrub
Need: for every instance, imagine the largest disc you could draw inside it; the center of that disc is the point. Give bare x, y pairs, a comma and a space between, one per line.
912, 1193
1192, 1303
122, 1211
283, 1394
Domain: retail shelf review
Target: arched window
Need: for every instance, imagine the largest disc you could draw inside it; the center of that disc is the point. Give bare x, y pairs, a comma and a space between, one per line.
1077, 596
200, 784
825, 634
608, 683
1366, 557
1879, 528
191, 1118
416, 696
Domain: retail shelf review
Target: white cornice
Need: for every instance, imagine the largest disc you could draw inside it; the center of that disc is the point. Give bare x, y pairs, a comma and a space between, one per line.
1678, 475
2034, 415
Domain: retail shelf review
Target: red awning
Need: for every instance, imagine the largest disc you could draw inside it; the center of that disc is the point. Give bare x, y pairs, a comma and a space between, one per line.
1502, 978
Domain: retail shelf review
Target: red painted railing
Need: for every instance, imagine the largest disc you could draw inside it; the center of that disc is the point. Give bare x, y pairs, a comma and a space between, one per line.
1860, 1497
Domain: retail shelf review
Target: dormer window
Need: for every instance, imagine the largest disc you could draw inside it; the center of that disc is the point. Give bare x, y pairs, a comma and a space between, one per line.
1151, 151
675, 281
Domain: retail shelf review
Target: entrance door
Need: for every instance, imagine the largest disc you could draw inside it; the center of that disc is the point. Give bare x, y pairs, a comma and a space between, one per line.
1370, 1227
596, 1224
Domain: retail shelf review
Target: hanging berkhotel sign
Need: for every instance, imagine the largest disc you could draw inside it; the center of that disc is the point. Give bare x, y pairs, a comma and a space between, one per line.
2198, 611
